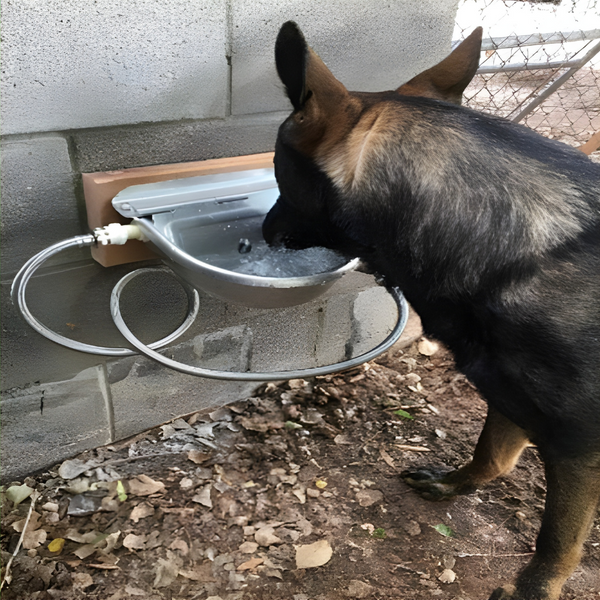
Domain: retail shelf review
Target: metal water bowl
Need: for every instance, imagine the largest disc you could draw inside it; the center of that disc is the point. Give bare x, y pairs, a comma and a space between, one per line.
207, 228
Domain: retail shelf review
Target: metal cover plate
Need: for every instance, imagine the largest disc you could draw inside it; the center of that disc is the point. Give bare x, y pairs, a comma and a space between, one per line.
151, 198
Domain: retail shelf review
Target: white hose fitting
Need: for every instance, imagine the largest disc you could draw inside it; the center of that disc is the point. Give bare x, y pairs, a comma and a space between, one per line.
115, 233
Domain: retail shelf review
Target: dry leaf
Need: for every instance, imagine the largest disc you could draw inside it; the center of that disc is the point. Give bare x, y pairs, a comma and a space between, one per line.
186, 483
273, 573
166, 572
34, 523
202, 573
341, 440
110, 504
358, 589
248, 547
260, 423
180, 545
51, 518
133, 591
203, 496
111, 543
56, 545
167, 431
412, 528
84, 551
141, 511
265, 536
447, 576
17, 493
153, 541
386, 458
427, 348
412, 448
313, 555
34, 539
103, 566
368, 497
198, 457
73, 468
135, 542
300, 493
142, 485
82, 580
82, 538
50, 507
251, 564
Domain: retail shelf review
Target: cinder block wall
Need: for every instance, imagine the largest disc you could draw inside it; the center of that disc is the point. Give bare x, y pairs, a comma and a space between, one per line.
110, 85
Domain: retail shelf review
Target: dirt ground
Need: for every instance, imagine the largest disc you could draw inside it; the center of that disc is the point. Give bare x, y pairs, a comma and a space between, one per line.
224, 504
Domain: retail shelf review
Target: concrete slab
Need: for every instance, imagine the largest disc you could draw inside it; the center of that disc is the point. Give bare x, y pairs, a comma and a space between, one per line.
147, 394
47, 423
369, 46
90, 64
374, 315
39, 206
154, 144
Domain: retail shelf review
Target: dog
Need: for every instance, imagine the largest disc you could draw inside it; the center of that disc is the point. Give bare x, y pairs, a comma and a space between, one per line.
492, 232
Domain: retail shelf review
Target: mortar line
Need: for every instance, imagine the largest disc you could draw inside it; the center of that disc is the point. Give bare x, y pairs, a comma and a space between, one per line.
108, 401
229, 58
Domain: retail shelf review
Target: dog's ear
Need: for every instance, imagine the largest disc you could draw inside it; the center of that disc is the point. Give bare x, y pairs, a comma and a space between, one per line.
448, 79
301, 70
317, 96
291, 56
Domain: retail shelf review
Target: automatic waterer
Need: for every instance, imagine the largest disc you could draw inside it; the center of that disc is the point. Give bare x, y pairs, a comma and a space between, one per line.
207, 230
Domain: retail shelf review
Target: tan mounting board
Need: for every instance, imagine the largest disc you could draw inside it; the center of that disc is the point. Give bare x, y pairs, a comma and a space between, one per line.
100, 188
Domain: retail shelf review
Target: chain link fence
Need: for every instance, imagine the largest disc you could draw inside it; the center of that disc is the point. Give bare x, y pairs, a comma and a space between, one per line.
540, 64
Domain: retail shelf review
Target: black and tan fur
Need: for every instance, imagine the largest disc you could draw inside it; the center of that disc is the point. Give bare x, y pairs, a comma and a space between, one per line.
493, 234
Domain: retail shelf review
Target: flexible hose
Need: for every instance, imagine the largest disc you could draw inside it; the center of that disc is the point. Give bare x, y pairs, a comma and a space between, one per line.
19, 288
247, 376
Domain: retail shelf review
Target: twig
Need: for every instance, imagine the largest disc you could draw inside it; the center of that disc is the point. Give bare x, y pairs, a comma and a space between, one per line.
34, 496
465, 555
121, 461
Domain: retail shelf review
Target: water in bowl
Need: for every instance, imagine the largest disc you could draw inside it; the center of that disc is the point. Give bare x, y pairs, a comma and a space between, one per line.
281, 262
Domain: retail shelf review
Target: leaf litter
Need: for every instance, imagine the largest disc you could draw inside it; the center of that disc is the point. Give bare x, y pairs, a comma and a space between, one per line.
292, 493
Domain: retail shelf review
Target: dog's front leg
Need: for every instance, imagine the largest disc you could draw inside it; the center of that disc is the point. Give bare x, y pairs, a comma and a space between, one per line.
498, 449
571, 501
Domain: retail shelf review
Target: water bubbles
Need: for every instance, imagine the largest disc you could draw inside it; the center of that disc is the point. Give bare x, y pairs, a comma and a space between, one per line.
282, 262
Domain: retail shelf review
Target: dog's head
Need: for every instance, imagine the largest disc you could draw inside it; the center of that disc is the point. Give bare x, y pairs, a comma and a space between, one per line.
309, 161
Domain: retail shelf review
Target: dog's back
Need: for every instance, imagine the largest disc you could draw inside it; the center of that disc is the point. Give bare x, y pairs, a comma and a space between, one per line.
493, 234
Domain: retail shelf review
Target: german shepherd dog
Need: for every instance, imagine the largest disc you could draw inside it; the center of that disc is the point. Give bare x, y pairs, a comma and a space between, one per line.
492, 232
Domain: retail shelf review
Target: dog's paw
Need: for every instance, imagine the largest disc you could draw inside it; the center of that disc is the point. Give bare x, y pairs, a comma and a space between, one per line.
430, 483
504, 593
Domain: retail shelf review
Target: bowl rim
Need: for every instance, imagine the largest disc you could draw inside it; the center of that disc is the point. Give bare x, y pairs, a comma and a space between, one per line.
182, 258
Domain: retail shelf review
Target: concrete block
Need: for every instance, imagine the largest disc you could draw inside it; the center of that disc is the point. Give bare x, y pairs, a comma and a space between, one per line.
226, 350
39, 206
45, 424
89, 64
150, 394
374, 315
369, 46
28, 357
334, 329
74, 301
152, 144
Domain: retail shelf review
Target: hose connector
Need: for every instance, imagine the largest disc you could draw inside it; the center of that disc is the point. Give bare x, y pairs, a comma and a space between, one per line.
118, 234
